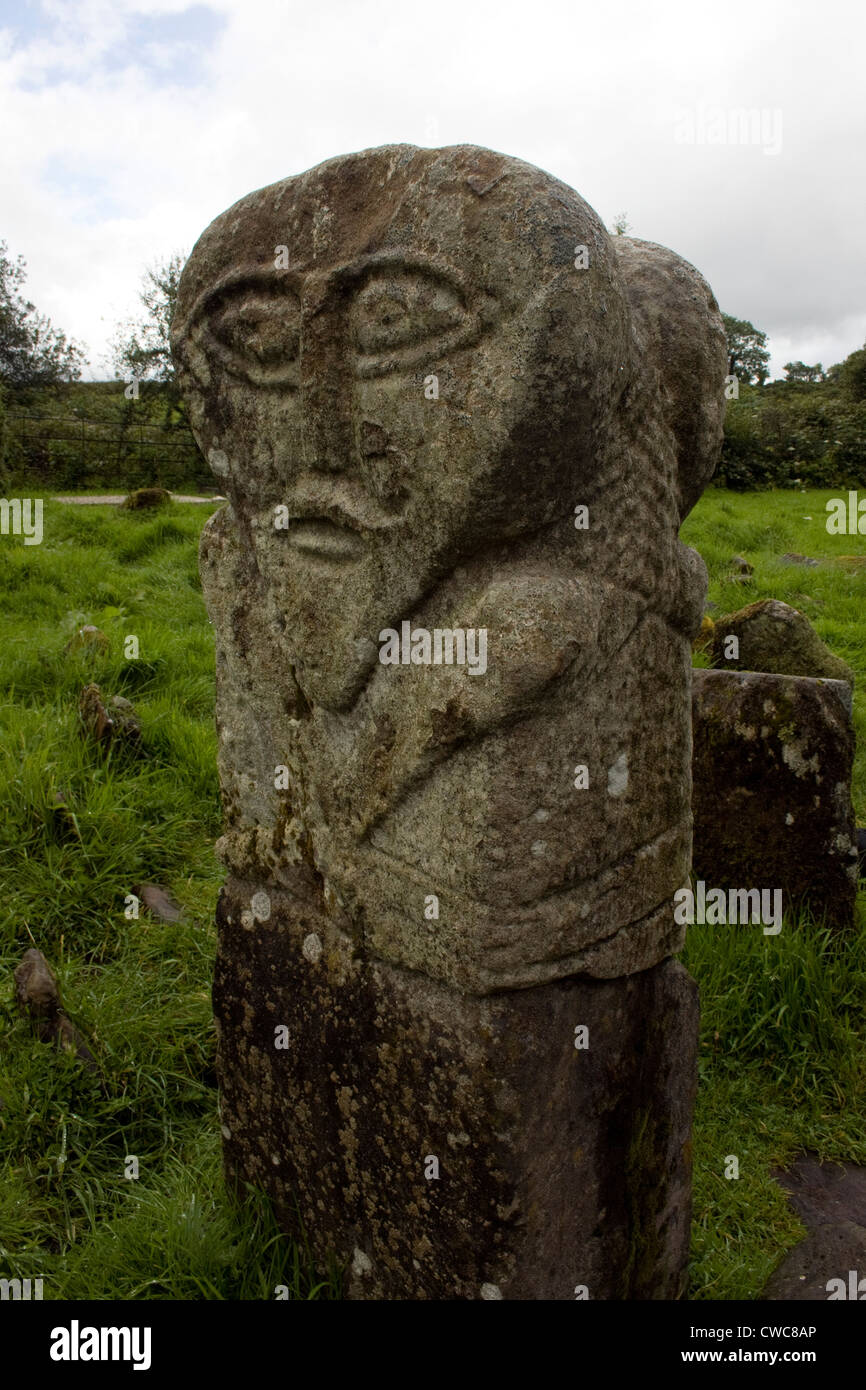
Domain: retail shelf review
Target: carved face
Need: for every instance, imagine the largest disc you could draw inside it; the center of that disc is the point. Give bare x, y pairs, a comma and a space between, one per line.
393, 362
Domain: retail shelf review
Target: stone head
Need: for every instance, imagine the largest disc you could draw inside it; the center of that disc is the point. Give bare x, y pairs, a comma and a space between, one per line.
393, 360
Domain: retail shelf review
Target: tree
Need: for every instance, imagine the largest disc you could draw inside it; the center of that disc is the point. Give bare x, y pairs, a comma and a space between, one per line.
852, 374
2, 429
32, 351
748, 358
621, 225
798, 371
142, 349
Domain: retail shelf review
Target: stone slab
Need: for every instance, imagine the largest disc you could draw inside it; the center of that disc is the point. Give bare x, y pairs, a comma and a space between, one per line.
771, 788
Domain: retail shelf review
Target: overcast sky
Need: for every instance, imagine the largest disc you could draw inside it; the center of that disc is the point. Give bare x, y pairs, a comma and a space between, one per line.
127, 125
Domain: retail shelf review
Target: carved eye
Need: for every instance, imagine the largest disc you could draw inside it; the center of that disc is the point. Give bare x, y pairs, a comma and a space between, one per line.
404, 310
257, 334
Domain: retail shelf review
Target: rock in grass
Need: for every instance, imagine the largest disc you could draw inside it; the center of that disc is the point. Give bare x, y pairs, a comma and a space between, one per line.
158, 902
793, 557
88, 638
37, 992
126, 722
742, 572
808, 599
95, 719
145, 498
104, 722
774, 637
38, 997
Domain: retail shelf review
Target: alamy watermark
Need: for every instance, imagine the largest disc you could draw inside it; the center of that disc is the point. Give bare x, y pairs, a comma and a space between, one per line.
20, 1290
846, 519
22, 516
453, 646
855, 1290
77, 1343
734, 125
738, 906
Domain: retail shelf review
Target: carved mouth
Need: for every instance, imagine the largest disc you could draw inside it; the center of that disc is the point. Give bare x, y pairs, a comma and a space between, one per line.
324, 539
343, 501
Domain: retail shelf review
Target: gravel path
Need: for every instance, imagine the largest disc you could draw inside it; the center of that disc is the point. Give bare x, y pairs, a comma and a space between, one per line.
114, 499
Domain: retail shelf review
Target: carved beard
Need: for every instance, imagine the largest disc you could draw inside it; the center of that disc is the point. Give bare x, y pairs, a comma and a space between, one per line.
330, 612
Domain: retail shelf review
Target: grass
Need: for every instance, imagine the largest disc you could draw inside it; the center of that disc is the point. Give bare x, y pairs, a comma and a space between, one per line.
138, 989
783, 1018
783, 1042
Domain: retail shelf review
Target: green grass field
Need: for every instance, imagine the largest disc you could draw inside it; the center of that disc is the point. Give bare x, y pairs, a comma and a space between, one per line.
783, 1048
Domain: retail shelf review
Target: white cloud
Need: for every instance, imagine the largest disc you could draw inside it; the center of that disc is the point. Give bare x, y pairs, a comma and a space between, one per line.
134, 123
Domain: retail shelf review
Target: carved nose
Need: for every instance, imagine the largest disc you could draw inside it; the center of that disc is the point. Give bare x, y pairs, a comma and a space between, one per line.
326, 385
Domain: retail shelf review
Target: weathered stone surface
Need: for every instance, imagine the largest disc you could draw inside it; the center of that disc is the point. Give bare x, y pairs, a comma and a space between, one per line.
774, 637
110, 721
772, 787
830, 1199
38, 996
825, 1193
158, 903
439, 395
557, 1167
828, 1252
96, 722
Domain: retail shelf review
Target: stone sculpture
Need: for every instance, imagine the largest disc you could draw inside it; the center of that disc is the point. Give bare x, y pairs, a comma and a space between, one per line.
458, 426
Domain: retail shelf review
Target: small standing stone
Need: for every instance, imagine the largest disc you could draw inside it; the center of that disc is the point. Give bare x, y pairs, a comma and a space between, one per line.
771, 775
772, 636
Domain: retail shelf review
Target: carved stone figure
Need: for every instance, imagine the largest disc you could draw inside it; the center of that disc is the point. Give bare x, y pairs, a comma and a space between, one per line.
458, 426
